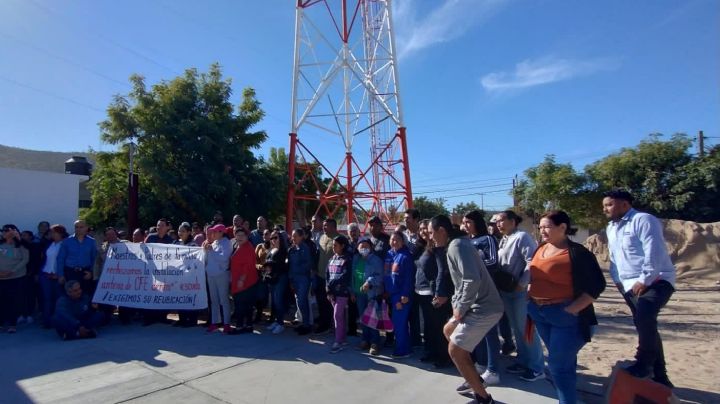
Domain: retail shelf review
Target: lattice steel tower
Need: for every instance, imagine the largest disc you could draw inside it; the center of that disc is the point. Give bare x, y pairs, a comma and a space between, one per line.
346, 98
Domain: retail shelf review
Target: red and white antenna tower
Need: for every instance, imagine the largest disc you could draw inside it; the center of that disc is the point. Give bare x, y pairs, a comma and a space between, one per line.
345, 99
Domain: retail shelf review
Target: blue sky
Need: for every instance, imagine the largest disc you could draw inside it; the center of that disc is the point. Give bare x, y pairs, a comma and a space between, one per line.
489, 87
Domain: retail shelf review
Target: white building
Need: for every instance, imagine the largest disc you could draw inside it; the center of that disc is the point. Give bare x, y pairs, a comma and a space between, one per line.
27, 197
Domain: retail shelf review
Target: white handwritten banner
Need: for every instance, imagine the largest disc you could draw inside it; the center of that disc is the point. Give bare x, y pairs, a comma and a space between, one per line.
153, 276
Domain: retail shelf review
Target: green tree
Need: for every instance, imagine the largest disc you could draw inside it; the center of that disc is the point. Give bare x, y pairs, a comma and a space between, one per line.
194, 152
465, 207
429, 208
696, 192
649, 171
551, 185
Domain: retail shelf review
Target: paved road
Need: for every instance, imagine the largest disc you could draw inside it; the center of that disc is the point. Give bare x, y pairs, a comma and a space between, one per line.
162, 364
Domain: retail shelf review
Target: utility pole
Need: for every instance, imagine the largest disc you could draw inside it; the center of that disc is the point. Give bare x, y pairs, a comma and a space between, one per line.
701, 144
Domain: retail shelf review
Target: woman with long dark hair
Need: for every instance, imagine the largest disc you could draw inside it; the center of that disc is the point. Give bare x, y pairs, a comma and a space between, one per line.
13, 266
186, 318
433, 296
276, 270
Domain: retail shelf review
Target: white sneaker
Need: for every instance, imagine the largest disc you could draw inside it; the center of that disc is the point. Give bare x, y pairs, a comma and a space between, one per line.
272, 326
480, 369
278, 329
490, 378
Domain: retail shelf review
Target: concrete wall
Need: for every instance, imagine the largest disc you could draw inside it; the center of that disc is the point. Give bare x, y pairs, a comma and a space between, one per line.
27, 197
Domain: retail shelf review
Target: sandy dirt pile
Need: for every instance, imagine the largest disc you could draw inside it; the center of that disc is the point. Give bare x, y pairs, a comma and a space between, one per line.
693, 247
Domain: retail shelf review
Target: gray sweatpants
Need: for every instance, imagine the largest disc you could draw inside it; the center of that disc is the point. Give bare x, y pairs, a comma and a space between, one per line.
219, 286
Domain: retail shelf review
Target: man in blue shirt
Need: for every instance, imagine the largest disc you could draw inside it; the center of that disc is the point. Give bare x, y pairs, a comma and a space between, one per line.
77, 257
643, 273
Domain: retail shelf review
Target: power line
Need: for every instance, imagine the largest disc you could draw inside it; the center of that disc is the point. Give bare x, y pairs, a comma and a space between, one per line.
112, 42
464, 189
64, 59
461, 182
60, 97
475, 193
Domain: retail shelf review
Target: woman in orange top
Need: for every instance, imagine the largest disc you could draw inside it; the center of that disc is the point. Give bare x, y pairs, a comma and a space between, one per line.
565, 280
243, 280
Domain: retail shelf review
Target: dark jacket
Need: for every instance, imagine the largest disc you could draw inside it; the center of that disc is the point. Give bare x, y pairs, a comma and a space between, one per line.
339, 275
587, 277
444, 286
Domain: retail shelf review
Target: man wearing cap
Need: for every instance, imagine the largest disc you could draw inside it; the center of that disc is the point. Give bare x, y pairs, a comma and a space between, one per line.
77, 256
644, 274
380, 239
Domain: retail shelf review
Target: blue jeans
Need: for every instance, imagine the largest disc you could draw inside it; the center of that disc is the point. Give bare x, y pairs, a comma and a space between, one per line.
560, 331
487, 352
401, 326
301, 284
51, 292
279, 306
90, 319
369, 335
530, 355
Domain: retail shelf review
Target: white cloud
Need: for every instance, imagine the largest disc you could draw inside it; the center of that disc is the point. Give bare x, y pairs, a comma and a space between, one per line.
444, 23
531, 73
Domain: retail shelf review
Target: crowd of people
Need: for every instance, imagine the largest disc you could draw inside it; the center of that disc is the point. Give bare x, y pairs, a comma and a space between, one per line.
449, 290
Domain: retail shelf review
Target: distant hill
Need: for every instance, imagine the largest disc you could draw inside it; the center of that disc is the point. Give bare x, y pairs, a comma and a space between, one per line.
36, 160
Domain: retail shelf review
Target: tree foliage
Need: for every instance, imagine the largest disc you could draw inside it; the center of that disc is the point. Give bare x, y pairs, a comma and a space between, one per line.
194, 152
664, 177
430, 207
649, 171
465, 207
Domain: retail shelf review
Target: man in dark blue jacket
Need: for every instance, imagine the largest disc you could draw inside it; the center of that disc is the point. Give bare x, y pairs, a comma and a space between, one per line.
75, 317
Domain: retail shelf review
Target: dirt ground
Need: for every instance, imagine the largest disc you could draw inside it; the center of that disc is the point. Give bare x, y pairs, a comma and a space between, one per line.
689, 326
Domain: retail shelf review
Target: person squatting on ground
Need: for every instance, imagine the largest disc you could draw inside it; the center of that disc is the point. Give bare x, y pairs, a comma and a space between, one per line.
476, 304
643, 273
75, 317
565, 280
